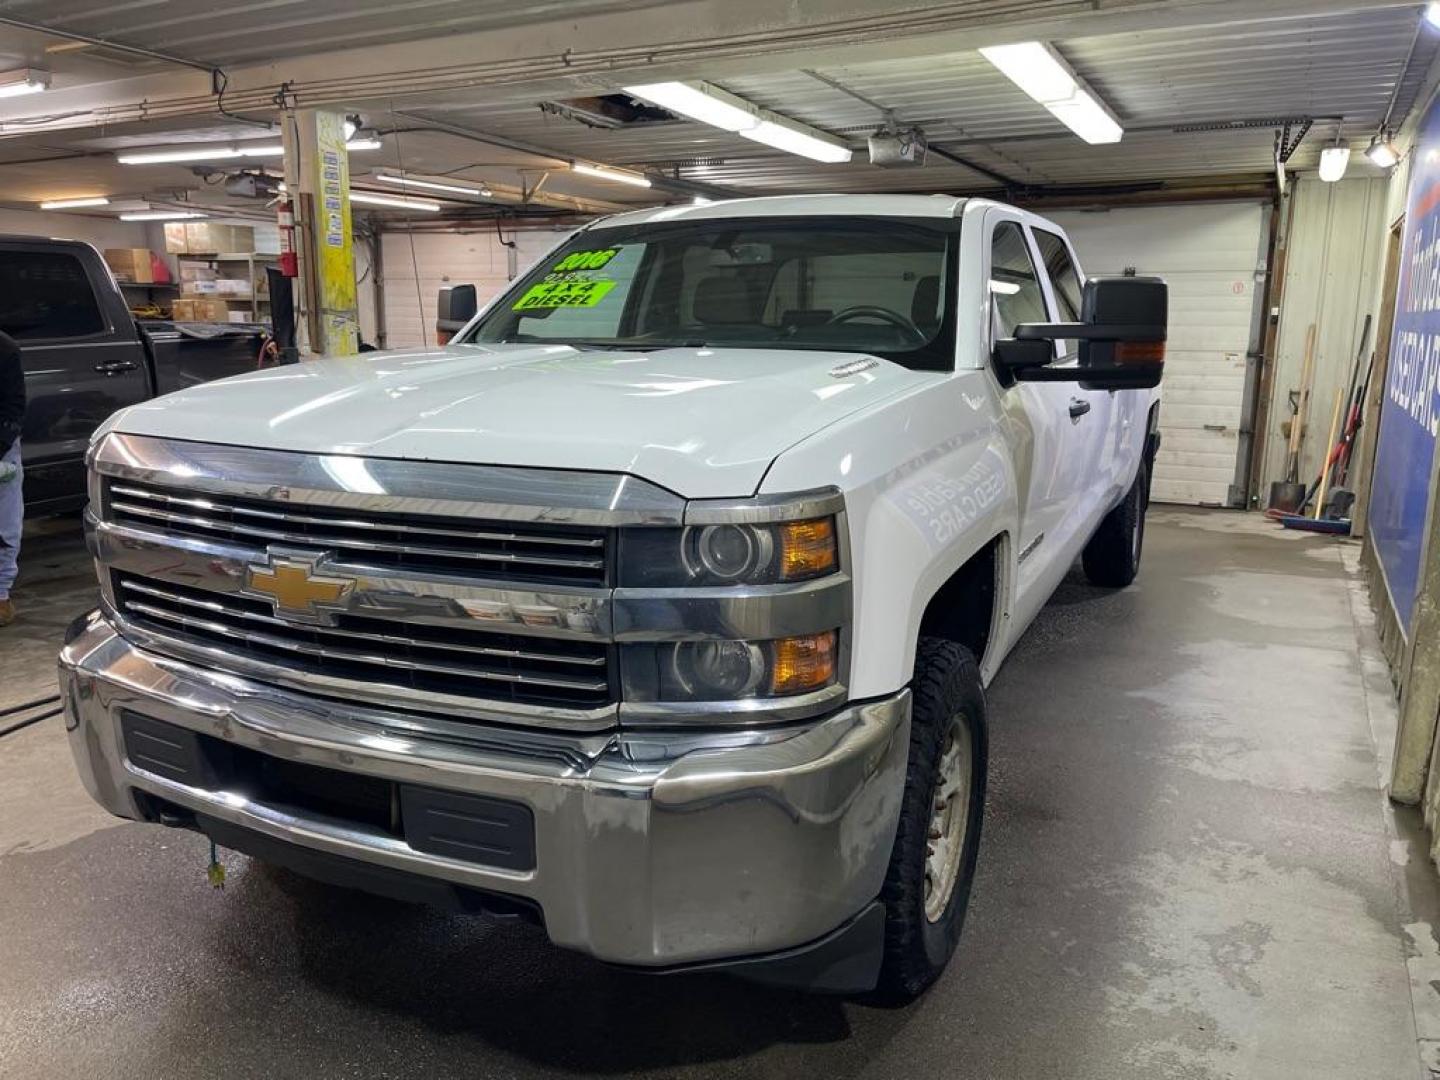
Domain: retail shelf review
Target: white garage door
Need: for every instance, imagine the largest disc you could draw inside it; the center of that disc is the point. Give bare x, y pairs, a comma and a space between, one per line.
441, 259
1210, 255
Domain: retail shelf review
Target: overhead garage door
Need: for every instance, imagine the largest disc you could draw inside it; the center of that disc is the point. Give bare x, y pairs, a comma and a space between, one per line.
417, 265
1210, 254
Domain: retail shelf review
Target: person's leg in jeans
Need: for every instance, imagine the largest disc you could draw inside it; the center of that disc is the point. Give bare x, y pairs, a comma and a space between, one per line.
12, 521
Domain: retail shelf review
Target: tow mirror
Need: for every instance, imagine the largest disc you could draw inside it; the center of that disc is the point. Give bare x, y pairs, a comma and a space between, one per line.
1121, 334
457, 307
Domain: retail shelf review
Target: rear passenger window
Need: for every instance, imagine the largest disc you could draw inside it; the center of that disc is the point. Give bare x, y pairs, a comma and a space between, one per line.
1063, 276
1013, 281
46, 295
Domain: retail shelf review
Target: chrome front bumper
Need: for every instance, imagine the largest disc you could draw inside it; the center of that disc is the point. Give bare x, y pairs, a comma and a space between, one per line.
651, 849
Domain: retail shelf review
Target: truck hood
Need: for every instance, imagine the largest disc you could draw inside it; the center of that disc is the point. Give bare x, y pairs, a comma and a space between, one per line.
704, 422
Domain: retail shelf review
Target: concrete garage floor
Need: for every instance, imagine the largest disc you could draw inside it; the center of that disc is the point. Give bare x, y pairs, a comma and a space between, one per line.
1188, 870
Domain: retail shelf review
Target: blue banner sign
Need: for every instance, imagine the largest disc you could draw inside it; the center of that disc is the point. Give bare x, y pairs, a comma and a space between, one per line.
1410, 410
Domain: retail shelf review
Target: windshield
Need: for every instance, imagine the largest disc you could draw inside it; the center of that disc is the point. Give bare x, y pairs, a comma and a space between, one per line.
873, 285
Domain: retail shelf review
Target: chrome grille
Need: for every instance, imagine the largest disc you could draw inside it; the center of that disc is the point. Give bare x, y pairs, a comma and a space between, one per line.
560, 555
371, 651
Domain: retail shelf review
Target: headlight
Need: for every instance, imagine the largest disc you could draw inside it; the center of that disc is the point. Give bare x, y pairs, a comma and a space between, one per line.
729, 554
714, 670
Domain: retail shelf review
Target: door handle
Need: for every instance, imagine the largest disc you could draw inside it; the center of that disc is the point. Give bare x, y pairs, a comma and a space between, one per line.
1078, 408
115, 367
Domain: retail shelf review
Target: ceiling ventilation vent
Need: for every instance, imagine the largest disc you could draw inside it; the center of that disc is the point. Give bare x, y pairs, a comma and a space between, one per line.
608, 111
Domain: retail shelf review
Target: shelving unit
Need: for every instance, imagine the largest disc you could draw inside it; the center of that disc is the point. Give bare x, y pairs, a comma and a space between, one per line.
257, 300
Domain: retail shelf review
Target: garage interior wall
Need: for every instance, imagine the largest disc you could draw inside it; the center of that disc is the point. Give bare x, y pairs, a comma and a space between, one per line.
1213, 257
101, 232
416, 265
1333, 272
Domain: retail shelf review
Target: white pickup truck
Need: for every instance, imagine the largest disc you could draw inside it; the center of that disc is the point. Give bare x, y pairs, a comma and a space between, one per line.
657, 606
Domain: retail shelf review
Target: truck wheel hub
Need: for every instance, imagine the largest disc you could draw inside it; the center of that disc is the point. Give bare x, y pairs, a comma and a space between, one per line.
949, 819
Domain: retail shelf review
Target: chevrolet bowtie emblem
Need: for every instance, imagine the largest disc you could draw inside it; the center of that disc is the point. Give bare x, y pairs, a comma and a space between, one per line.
296, 588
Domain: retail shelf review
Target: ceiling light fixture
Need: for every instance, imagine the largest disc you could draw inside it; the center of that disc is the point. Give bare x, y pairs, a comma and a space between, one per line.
431, 185
1333, 160
160, 215
1382, 151
353, 123
1432, 13
73, 204
796, 138
721, 109
399, 202
205, 153
700, 101
1036, 68
620, 176
701, 200
224, 153
23, 81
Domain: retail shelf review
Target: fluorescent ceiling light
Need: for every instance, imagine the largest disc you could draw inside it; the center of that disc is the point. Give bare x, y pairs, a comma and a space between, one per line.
431, 185
1432, 13
160, 215
1382, 152
795, 139
205, 153
72, 204
700, 101
620, 176
1333, 160
1086, 117
700, 200
728, 112
222, 153
402, 202
1034, 67
23, 81
1042, 73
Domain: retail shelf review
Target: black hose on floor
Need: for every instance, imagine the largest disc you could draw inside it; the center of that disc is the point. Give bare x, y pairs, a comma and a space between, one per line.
11, 710
32, 720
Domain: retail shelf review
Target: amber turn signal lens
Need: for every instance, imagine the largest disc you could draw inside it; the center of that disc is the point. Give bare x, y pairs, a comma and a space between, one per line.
801, 664
808, 549
1139, 352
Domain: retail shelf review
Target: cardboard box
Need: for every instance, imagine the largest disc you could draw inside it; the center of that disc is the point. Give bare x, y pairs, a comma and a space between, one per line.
175, 238
197, 271
240, 316
232, 286
131, 264
184, 310
202, 288
213, 237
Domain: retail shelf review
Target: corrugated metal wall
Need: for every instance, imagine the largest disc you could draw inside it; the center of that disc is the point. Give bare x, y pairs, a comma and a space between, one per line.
1332, 279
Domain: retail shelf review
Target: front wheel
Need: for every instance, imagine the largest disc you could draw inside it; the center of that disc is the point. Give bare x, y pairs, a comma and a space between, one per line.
1112, 558
927, 887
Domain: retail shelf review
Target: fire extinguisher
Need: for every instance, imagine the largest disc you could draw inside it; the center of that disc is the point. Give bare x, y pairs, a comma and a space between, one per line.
285, 216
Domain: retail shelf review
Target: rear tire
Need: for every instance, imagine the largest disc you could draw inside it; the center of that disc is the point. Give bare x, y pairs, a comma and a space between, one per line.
1112, 558
927, 887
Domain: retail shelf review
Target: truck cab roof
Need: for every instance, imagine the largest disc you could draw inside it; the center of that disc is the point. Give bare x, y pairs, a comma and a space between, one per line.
909, 206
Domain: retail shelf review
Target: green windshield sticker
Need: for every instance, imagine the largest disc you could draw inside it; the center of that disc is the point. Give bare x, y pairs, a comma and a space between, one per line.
584, 260
563, 294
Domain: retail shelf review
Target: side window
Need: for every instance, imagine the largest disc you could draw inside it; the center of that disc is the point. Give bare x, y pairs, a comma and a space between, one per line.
46, 295
1013, 281
1063, 276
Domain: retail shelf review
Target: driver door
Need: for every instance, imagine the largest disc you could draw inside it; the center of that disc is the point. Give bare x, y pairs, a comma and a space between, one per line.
1045, 437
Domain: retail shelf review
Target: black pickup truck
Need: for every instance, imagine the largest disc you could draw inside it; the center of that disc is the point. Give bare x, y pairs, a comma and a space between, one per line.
85, 356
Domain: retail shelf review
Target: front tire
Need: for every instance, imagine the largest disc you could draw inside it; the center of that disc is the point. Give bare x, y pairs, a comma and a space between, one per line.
1112, 558
932, 866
